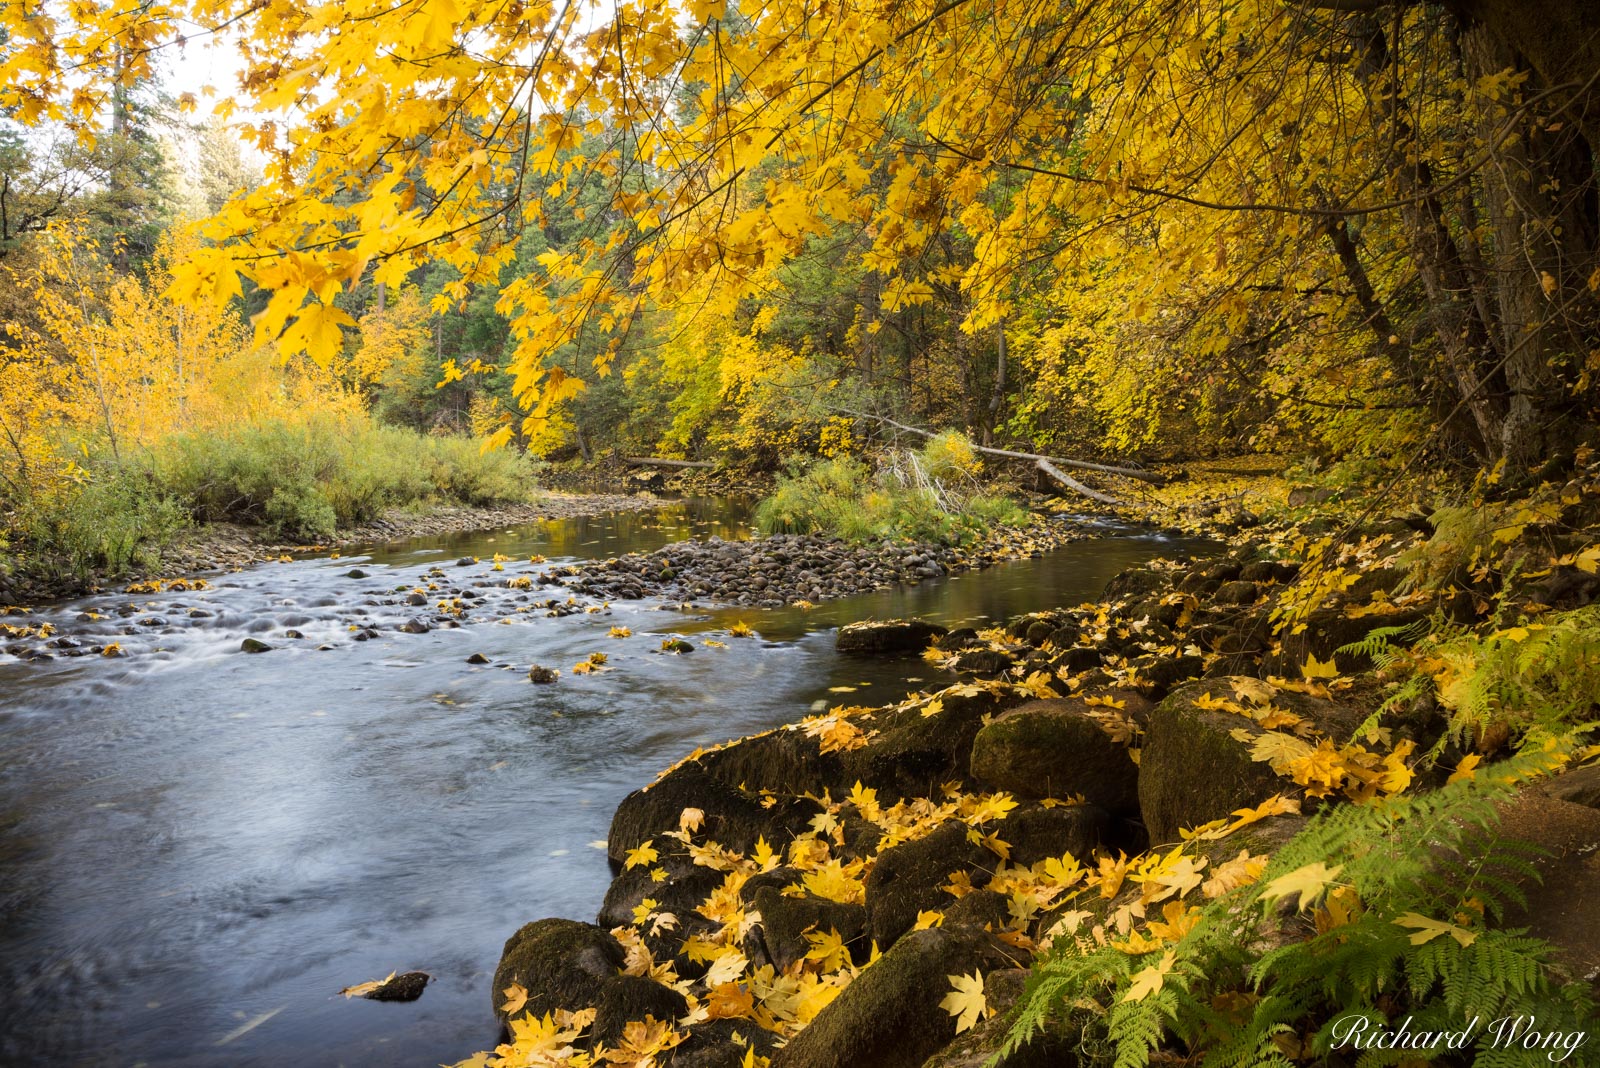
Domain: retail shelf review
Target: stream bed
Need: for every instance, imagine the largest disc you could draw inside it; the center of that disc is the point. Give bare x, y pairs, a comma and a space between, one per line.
200, 847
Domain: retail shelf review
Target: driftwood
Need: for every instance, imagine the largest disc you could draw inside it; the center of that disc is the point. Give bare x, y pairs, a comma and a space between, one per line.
657, 461
1071, 483
1081, 465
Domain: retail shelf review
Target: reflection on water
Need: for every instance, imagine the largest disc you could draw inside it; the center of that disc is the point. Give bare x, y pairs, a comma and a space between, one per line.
198, 847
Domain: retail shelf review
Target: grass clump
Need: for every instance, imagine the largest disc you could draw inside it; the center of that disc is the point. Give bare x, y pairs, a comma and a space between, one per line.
299, 480
928, 495
305, 480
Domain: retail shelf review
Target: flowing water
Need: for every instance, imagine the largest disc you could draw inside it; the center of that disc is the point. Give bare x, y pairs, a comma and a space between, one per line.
199, 847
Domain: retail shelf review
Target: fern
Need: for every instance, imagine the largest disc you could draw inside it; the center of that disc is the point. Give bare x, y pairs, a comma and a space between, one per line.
1434, 855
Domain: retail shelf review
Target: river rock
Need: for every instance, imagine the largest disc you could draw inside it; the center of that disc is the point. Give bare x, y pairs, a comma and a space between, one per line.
1056, 1047
887, 637
910, 878
1193, 770
1035, 832
413, 626
541, 674
1054, 748
1580, 786
732, 817
785, 922
564, 964
407, 986
254, 645
890, 1016
1326, 630
1561, 905
477, 658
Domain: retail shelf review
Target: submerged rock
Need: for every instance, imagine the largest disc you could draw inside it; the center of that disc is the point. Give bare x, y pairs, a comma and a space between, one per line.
254, 645
407, 986
541, 674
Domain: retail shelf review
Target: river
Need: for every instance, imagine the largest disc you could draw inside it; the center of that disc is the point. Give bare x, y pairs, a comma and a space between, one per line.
199, 847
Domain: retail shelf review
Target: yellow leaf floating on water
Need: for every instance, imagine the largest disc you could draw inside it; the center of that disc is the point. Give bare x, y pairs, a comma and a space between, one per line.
966, 1000
619, 632
741, 629
363, 989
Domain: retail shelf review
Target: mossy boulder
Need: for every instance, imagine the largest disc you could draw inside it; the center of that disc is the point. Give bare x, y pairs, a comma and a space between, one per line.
785, 921
1561, 904
733, 817
910, 878
1326, 631
1054, 1048
564, 964
913, 754
1054, 748
1035, 832
890, 1016
887, 637
1193, 768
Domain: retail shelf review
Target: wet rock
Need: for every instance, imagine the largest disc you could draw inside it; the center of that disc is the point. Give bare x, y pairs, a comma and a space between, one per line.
564, 964
416, 600
355, 573
733, 817
1056, 748
676, 645
477, 658
1192, 768
984, 661
413, 626
292, 633
887, 637
785, 921
1581, 786
407, 986
1035, 832
888, 1017
541, 674
910, 878
254, 645
1237, 592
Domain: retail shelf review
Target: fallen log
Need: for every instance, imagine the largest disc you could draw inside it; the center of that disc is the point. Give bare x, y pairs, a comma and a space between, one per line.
657, 461
1082, 465
1071, 483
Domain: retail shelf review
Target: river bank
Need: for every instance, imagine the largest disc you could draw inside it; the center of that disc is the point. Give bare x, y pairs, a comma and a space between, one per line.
217, 547
851, 889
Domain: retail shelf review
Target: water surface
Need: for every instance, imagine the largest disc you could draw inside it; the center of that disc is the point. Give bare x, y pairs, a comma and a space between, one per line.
199, 847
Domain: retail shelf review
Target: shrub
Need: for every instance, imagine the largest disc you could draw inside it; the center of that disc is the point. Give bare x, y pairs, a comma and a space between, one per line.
929, 495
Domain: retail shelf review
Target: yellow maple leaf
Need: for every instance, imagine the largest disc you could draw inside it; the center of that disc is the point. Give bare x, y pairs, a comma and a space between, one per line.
1308, 881
516, 997
644, 853
1426, 930
1147, 981
966, 1000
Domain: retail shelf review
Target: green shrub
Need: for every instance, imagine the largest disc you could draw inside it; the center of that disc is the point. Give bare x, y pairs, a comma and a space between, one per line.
305, 480
117, 520
929, 495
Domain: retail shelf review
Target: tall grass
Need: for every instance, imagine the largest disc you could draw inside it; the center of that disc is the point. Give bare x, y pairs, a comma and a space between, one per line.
929, 495
299, 480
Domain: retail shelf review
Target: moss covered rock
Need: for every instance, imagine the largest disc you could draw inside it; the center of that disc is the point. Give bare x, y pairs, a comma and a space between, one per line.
1053, 748
1035, 832
785, 922
1196, 764
887, 637
910, 878
562, 964
890, 1016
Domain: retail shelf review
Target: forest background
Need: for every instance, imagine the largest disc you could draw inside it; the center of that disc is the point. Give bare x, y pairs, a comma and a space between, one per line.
1362, 233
